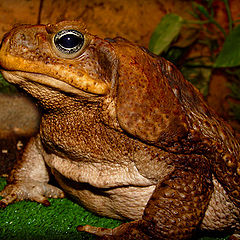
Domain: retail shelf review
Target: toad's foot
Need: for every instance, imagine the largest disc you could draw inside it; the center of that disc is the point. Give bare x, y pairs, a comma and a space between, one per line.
29, 190
128, 231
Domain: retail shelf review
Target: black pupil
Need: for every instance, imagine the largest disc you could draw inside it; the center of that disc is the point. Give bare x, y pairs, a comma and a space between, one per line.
69, 41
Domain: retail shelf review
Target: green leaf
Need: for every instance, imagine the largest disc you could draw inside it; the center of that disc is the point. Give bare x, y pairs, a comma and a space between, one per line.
202, 10
230, 53
166, 31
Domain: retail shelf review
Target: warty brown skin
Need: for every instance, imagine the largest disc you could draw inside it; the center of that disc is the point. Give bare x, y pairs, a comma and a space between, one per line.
123, 132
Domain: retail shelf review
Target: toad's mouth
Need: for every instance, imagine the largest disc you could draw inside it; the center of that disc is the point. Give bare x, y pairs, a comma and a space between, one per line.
17, 69
22, 79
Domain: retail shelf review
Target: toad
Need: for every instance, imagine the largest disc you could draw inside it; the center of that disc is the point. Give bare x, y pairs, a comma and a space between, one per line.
123, 132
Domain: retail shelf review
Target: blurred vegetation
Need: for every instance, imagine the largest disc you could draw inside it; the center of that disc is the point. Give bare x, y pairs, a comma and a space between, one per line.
174, 38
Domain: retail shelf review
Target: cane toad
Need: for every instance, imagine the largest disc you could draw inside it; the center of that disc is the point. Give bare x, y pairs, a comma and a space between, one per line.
123, 132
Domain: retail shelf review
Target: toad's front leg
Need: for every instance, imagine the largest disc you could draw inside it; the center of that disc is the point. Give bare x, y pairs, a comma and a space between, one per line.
174, 211
29, 178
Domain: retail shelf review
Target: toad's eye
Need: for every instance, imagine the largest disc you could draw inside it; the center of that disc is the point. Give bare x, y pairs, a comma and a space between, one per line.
69, 41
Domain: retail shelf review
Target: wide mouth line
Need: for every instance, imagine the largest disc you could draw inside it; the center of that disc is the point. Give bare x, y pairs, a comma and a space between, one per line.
16, 76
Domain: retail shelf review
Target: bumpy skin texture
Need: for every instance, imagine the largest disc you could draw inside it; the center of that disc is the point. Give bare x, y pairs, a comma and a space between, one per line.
124, 133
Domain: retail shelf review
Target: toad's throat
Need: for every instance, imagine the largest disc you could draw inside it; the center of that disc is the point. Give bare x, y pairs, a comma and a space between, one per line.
49, 72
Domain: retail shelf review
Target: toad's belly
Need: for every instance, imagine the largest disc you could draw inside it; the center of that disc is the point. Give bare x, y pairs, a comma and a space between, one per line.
126, 202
